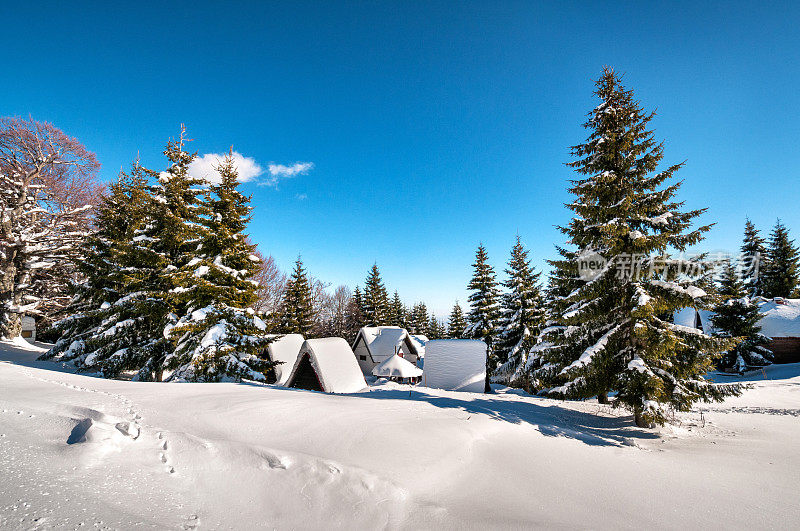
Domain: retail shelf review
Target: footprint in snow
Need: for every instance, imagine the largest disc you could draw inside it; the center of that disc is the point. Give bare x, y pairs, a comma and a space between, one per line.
192, 522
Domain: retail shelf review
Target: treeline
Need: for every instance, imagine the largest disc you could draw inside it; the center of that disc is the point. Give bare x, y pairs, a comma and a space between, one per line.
306, 307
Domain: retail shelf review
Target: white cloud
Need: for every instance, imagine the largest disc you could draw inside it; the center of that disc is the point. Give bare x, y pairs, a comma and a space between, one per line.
205, 167
280, 171
301, 197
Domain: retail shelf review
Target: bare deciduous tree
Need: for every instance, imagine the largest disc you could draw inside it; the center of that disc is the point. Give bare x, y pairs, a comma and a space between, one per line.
47, 188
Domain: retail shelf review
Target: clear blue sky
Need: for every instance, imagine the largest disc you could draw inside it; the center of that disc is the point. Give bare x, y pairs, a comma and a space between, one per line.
431, 126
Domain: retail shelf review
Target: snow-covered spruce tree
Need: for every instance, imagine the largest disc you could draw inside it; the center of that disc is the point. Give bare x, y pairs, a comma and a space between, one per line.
397, 312
419, 319
780, 273
218, 336
736, 316
134, 336
96, 334
753, 255
456, 324
521, 319
47, 187
353, 317
376, 299
484, 312
436, 329
297, 308
618, 335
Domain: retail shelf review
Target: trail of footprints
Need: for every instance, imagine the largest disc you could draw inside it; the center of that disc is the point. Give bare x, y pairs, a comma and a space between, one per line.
132, 429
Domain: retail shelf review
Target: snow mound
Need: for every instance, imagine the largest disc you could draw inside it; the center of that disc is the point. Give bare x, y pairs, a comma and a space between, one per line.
335, 364
284, 349
455, 364
780, 318
396, 367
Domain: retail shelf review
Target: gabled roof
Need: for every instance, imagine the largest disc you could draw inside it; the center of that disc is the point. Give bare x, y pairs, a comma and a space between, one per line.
396, 366
335, 364
284, 349
382, 341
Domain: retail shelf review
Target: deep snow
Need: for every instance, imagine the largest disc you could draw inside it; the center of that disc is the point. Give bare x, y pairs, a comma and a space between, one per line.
76, 450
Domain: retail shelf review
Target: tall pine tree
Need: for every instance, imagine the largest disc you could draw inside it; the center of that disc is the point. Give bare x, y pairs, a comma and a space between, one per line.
614, 337
397, 312
457, 323
297, 308
736, 316
522, 316
218, 336
484, 313
354, 316
376, 299
420, 320
96, 335
780, 276
753, 256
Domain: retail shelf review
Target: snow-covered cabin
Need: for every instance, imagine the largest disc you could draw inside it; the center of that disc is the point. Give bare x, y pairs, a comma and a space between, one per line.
397, 369
28, 328
375, 344
327, 365
284, 349
455, 364
780, 321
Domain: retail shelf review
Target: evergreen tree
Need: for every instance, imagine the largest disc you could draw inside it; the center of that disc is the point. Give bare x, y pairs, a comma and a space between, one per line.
484, 310
297, 308
354, 317
614, 337
397, 312
420, 319
736, 316
436, 329
218, 335
456, 324
780, 277
96, 335
522, 316
376, 299
753, 256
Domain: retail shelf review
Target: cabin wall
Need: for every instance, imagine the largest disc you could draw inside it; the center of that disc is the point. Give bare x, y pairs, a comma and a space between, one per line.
785, 349
365, 362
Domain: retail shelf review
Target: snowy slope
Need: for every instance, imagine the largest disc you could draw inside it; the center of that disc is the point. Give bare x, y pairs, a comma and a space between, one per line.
255, 456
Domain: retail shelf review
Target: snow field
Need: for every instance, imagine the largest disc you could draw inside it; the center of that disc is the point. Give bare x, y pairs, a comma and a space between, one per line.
253, 456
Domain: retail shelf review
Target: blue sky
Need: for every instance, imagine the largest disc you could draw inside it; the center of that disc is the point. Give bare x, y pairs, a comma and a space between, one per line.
431, 126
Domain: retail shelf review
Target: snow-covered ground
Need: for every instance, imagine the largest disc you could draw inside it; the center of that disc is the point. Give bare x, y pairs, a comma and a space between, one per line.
77, 450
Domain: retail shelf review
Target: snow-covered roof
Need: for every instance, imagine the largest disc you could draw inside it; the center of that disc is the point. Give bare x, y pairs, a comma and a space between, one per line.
335, 364
455, 364
419, 342
383, 341
689, 317
685, 317
396, 367
780, 317
284, 349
